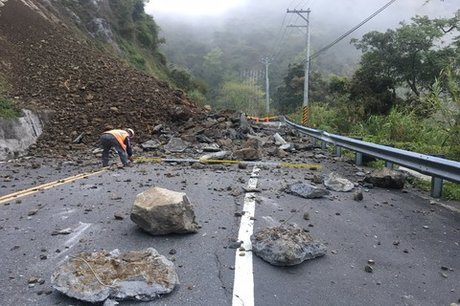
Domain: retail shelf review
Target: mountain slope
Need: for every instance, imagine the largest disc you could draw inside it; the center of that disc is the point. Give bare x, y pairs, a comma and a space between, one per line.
51, 68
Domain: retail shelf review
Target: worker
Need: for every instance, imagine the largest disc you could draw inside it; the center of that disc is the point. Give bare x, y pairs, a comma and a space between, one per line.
120, 141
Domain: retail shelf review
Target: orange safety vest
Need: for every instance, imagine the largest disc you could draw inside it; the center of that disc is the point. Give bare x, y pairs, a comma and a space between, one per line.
120, 135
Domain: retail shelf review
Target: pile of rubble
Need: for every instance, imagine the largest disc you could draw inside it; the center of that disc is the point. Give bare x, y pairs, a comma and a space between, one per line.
78, 89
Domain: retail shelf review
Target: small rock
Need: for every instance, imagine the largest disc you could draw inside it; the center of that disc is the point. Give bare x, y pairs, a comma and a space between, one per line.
306, 216
235, 244
32, 212
118, 216
33, 280
66, 231
368, 269
358, 195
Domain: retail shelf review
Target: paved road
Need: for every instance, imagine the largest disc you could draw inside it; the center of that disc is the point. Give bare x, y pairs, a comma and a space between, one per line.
415, 245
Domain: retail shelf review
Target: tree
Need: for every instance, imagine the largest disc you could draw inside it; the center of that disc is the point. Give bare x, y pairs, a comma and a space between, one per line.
289, 96
213, 69
410, 56
245, 97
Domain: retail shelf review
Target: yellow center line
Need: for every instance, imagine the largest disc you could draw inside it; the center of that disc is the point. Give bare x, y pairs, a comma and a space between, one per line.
26, 192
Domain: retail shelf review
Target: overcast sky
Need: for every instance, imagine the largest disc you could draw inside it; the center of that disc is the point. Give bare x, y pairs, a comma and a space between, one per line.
349, 11
329, 19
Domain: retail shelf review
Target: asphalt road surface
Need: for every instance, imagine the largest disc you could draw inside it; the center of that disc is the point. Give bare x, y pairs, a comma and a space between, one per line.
414, 241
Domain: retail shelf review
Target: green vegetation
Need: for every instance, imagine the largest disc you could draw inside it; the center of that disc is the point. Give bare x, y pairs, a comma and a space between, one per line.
137, 35
139, 39
7, 109
246, 97
450, 191
405, 93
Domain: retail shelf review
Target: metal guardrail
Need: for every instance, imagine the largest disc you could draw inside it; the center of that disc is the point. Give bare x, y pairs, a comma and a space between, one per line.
438, 168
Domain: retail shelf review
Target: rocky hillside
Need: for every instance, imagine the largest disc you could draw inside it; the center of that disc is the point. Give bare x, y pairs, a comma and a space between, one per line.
51, 67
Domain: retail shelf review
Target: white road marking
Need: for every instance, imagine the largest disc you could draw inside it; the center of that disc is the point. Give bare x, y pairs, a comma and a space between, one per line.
78, 231
72, 241
243, 285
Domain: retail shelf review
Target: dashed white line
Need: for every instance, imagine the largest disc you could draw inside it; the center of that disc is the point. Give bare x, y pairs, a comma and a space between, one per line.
243, 285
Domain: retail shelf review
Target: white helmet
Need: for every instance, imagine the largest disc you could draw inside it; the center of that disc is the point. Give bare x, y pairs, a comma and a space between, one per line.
130, 132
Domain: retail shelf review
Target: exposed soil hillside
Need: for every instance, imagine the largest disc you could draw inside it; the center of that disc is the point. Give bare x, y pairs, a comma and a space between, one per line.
85, 90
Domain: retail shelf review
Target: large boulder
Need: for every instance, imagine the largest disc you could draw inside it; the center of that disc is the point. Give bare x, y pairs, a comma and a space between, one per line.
176, 145
160, 211
214, 156
386, 178
251, 150
286, 246
337, 183
306, 190
94, 277
151, 145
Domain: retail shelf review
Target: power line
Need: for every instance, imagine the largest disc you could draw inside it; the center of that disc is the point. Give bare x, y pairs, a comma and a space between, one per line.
277, 46
316, 54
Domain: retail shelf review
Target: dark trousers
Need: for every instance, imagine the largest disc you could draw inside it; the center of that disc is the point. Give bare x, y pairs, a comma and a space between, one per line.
109, 141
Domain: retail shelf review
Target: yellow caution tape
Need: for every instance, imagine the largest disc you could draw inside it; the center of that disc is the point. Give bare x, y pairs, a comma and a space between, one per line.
306, 166
229, 161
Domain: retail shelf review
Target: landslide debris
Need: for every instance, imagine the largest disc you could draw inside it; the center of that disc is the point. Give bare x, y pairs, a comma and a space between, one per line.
80, 89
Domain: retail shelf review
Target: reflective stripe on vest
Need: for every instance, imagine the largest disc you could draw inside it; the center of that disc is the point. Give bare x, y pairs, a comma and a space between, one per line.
120, 135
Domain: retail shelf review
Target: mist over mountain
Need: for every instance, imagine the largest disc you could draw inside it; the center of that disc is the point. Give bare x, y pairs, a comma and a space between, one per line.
263, 26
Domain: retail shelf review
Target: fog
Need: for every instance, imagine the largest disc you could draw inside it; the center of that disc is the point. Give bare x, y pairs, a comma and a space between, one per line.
268, 21
336, 13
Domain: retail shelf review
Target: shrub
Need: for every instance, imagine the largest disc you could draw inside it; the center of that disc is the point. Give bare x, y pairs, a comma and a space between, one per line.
7, 109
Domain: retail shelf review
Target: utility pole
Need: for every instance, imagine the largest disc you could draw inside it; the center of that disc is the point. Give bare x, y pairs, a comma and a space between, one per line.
307, 61
267, 61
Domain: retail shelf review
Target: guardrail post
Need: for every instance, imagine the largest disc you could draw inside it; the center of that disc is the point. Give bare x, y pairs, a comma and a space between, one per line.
315, 141
436, 186
323, 145
359, 159
389, 164
338, 151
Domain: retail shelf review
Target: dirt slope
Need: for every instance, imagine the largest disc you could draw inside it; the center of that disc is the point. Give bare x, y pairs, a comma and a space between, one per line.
85, 90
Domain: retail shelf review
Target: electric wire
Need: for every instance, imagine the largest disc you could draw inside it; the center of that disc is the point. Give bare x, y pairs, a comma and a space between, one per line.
293, 19
327, 47
277, 49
